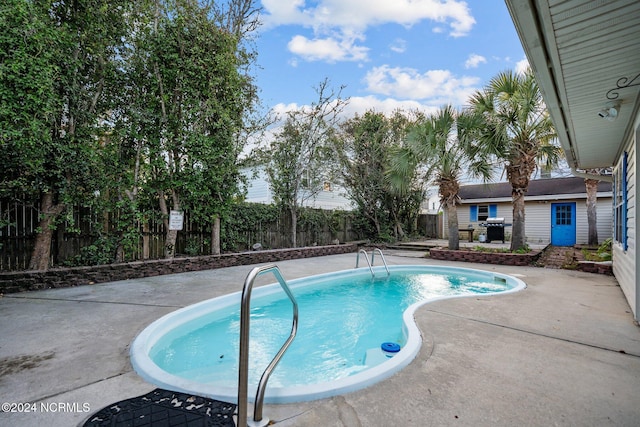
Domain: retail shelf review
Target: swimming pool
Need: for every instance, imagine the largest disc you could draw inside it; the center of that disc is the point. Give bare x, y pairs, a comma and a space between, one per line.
344, 318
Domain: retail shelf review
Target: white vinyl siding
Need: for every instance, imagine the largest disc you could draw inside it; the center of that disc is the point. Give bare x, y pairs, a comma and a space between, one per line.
537, 222
604, 218
330, 200
538, 218
625, 261
502, 210
259, 191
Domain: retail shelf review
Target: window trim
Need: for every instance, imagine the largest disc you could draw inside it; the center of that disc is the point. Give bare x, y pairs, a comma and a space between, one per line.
474, 212
620, 197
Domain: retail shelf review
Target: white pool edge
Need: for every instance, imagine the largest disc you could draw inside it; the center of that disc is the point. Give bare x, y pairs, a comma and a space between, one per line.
150, 372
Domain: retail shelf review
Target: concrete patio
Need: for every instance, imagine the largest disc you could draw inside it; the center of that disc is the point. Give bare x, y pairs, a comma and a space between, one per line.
565, 351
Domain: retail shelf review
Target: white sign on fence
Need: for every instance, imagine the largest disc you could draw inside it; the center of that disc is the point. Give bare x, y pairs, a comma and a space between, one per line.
176, 220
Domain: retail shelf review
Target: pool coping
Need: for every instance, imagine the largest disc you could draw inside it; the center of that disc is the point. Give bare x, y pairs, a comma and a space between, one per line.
150, 372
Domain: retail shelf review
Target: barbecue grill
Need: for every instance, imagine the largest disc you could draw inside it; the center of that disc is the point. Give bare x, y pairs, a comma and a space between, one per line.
495, 229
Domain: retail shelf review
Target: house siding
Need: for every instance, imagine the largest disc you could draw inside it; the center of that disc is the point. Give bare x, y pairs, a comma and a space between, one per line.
330, 200
538, 218
259, 191
625, 261
537, 222
503, 210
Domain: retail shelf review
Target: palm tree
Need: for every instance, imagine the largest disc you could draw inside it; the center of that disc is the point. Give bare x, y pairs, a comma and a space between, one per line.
591, 186
518, 131
444, 144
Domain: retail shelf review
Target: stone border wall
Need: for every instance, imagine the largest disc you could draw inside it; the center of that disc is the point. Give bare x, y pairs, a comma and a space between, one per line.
485, 257
12, 282
605, 268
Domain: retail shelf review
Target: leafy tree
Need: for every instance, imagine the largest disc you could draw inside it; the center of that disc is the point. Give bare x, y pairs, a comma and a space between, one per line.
85, 110
517, 130
55, 59
444, 143
187, 99
27, 76
295, 158
362, 150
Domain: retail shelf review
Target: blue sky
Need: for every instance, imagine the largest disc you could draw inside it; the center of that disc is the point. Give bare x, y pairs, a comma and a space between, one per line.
388, 53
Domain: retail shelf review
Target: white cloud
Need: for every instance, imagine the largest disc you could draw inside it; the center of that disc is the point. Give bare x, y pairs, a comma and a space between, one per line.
398, 45
361, 104
281, 109
282, 12
336, 24
522, 65
328, 49
474, 60
436, 86
355, 105
360, 14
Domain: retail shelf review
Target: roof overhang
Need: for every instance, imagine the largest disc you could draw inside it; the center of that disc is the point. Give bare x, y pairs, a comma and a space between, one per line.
585, 55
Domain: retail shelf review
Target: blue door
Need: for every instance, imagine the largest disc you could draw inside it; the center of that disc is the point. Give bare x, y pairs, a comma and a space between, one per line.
563, 224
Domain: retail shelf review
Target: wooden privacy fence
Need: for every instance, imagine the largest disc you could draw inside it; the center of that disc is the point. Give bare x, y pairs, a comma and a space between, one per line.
19, 221
429, 225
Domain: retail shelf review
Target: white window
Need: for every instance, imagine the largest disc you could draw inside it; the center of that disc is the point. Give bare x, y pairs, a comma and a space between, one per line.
620, 203
479, 213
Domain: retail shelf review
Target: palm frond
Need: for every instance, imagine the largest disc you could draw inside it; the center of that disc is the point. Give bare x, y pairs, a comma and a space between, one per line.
402, 167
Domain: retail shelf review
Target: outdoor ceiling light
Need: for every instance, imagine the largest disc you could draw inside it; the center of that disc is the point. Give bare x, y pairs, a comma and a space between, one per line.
610, 112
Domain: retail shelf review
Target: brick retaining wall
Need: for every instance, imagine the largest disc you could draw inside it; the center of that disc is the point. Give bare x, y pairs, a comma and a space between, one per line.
75, 276
485, 257
596, 267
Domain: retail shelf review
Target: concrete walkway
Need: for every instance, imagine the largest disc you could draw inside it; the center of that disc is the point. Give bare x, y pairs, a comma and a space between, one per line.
565, 351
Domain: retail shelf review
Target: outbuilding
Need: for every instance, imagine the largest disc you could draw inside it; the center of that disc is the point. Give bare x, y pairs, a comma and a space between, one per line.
555, 209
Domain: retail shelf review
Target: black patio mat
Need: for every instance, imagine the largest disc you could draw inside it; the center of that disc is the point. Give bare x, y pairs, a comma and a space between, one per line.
164, 408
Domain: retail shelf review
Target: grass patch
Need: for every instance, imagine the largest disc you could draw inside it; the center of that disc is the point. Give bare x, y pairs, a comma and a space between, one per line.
603, 253
479, 248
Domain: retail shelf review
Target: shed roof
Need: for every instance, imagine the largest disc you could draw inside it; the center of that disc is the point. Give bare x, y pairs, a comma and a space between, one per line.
538, 187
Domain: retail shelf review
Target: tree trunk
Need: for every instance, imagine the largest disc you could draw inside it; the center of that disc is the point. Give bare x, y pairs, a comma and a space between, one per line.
518, 236
397, 228
592, 207
518, 175
170, 244
171, 235
376, 223
145, 239
294, 227
452, 223
215, 235
119, 257
41, 254
448, 188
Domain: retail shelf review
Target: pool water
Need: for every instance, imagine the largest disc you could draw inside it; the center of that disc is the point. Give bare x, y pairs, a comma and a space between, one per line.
343, 320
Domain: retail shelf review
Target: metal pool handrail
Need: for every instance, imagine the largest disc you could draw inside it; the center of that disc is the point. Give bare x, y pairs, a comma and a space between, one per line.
366, 258
243, 373
373, 252
370, 264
